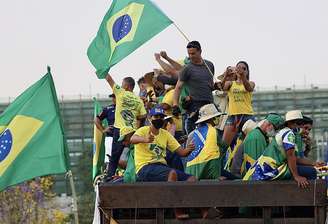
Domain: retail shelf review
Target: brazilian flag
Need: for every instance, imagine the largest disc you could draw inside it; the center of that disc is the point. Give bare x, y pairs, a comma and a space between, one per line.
98, 144
32, 141
126, 26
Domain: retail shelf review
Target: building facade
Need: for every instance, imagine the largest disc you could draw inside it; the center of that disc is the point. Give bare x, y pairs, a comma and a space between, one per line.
77, 114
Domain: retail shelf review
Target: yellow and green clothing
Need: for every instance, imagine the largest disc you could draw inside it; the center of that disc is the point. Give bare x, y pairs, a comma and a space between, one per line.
240, 100
254, 145
177, 120
231, 153
273, 164
147, 153
205, 161
128, 108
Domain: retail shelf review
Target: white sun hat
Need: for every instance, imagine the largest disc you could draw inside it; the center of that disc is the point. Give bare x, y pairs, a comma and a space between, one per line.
207, 112
248, 126
293, 115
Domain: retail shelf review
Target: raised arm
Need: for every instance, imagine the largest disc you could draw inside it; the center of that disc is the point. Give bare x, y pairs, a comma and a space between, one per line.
172, 62
110, 80
166, 67
249, 85
226, 83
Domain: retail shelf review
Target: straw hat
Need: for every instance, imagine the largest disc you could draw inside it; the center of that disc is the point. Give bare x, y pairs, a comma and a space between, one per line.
293, 115
248, 126
207, 112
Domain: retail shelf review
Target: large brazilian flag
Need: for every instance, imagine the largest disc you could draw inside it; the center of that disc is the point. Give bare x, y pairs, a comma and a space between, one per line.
126, 26
32, 141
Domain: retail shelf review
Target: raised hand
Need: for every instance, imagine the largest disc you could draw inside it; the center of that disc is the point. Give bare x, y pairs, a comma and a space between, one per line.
157, 56
163, 54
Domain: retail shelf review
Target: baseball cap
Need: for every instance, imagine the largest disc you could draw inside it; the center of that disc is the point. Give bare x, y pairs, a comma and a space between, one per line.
157, 110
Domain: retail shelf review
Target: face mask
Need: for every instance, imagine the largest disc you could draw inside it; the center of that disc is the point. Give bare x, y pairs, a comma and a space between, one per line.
216, 121
158, 123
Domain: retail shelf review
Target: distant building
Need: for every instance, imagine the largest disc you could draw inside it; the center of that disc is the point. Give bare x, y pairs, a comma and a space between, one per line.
77, 113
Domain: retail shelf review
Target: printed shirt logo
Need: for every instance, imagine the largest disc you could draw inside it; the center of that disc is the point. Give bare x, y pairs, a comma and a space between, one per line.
159, 151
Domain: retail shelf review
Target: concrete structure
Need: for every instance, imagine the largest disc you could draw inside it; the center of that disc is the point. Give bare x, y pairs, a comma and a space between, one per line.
77, 113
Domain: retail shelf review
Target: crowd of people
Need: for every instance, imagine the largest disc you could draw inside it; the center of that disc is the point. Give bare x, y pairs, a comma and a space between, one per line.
186, 124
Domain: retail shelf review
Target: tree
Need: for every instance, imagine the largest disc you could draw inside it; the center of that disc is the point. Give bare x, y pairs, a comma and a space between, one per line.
30, 202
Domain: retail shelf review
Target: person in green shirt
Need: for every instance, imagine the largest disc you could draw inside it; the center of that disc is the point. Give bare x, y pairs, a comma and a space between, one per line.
258, 139
303, 139
279, 160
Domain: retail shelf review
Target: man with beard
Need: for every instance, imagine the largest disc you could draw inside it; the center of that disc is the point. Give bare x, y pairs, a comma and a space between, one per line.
279, 160
258, 139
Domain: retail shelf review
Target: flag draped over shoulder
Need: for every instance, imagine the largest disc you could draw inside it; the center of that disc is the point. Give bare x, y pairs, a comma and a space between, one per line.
32, 141
203, 161
126, 26
98, 144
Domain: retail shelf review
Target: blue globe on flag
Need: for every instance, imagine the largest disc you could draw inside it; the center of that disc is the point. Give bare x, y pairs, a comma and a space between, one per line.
122, 26
6, 141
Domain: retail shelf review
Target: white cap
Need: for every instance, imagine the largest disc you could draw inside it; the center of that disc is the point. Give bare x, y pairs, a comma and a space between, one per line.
293, 115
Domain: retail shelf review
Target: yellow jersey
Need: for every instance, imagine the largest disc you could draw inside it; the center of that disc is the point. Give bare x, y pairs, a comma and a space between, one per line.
147, 153
240, 100
128, 108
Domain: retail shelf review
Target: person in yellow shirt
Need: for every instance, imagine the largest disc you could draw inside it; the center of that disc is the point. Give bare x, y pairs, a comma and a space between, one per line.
205, 162
129, 112
151, 143
240, 99
167, 104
